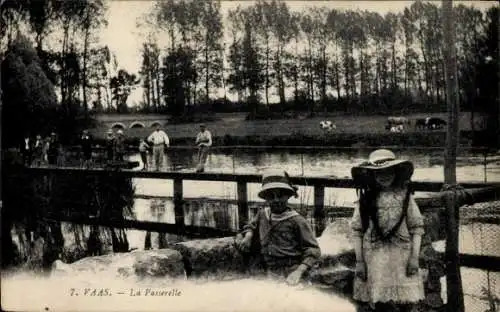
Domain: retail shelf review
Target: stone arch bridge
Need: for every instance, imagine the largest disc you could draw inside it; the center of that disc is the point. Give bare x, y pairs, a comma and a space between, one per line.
130, 121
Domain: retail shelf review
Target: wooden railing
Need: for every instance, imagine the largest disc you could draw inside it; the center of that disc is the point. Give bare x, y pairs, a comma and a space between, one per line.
473, 193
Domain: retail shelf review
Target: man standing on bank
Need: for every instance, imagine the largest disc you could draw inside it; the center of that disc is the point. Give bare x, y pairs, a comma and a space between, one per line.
203, 141
159, 139
284, 238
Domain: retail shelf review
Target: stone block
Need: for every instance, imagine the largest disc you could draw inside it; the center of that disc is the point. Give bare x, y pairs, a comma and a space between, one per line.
215, 258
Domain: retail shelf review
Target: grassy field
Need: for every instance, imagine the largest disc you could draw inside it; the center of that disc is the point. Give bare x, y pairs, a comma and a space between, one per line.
235, 125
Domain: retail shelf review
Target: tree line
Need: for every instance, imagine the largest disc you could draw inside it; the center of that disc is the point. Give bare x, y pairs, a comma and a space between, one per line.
327, 59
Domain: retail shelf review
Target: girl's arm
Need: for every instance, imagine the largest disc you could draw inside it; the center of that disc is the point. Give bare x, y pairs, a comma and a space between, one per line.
358, 248
415, 222
416, 240
357, 234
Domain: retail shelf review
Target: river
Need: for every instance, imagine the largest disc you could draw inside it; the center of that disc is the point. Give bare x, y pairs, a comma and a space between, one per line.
428, 167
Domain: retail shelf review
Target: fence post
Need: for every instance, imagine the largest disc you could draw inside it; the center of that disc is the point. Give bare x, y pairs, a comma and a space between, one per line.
485, 169
178, 205
319, 210
242, 203
302, 162
232, 156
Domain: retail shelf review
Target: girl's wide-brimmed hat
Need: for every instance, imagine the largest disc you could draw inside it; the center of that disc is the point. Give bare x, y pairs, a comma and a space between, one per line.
276, 180
379, 160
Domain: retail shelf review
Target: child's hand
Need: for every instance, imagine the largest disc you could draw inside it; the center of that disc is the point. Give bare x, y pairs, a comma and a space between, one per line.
294, 277
412, 266
243, 242
361, 270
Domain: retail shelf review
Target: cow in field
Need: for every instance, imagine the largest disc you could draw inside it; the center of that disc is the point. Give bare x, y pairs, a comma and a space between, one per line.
435, 123
420, 123
327, 126
430, 123
398, 120
395, 122
397, 129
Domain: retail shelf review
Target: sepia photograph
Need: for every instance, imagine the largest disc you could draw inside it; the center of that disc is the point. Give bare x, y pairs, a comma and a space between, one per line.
253, 156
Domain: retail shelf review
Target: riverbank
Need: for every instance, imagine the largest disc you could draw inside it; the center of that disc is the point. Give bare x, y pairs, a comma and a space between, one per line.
234, 129
435, 139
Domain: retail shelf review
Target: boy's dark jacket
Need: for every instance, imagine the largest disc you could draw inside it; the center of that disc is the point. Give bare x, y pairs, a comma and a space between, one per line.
288, 239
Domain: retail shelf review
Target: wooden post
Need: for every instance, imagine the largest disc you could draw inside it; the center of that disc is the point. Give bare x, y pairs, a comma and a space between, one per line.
453, 277
242, 204
302, 162
319, 210
178, 205
233, 154
485, 167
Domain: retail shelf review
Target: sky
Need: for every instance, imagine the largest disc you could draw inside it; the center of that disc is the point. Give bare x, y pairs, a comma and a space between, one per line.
124, 39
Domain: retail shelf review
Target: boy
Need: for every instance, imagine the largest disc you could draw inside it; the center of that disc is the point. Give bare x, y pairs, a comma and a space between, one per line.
143, 150
287, 244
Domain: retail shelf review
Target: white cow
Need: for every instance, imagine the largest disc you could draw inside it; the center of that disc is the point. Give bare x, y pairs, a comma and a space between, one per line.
327, 125
398, 128
398, 120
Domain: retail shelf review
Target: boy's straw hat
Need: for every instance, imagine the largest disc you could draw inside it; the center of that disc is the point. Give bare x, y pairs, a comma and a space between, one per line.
276, 180
379, 160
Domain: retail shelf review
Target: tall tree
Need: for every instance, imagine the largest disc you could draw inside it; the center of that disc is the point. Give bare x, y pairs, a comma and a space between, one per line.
283, 28
28, 96
211, 22
121, 86
91, 19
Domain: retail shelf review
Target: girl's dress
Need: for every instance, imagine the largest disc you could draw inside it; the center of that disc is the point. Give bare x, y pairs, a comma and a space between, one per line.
386, 261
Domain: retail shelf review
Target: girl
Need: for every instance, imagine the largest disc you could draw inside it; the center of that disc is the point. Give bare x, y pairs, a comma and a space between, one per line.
387, 229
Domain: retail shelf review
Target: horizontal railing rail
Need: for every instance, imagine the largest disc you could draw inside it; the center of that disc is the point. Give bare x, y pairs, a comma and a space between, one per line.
321, 181
482, 262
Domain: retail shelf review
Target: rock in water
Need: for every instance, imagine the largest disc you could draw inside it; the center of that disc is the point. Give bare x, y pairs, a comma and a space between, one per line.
136, 264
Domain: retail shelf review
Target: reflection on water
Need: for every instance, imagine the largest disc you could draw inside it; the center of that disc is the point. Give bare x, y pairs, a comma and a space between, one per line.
428, 164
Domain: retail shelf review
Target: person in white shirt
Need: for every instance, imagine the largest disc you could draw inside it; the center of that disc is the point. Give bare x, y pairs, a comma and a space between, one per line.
203, 141
159, 139
26, 149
